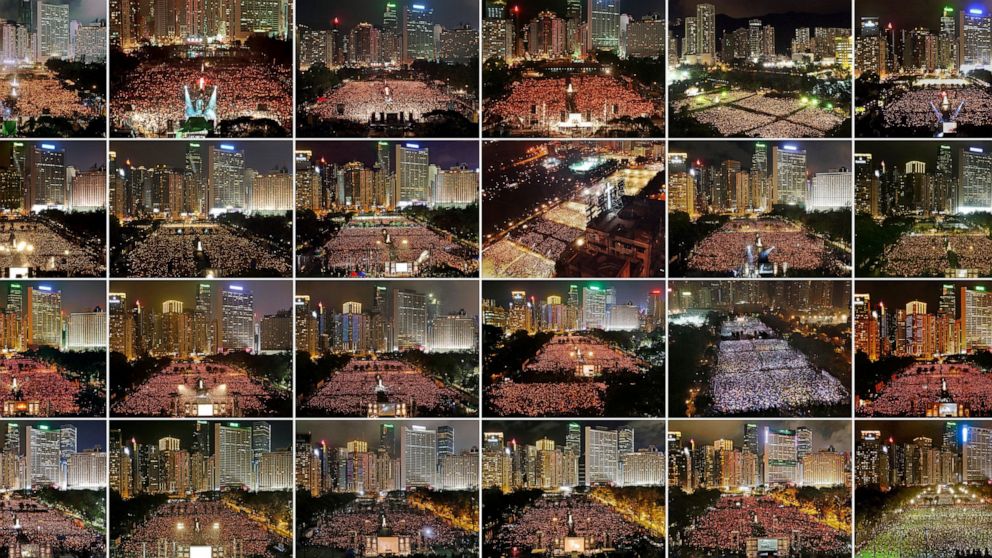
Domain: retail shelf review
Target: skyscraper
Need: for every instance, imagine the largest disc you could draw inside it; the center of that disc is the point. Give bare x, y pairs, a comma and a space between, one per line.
974, 190
46, 176
789, 175
412, 173
780, 456
601, 455
226, 187
445, 441
409, 319
418, 457
418, 33
53, 30
237, 308
603, 19
232, 456
41, 453
44, 315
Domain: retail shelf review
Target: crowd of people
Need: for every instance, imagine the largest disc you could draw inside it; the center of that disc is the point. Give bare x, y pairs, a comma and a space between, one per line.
760, 115
380, 249
204, 523
542, 102
724, 251
30, 380
174, 252
153, 98
754, 375
46, 95
544, 523
945, 531
914, 108
27, 521
360, 384
34, 244
506, 258
348, 528
581, 356
911, 392
363, 101
929, 255
510, 399
727, 525
180, 386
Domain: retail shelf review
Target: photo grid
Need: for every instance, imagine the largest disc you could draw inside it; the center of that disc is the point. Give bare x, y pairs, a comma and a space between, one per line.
495, 278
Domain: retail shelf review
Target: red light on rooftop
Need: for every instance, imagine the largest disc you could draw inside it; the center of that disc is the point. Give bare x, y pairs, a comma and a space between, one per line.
516, 9
656, 292
336, 21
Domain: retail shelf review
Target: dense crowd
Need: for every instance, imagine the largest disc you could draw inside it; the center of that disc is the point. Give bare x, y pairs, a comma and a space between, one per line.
506, 258
510, 399
755, 375
913, 108
46, 95
580, 355
727, 525
171, 252
347, 528
351, 390
545, 522
153, 96
761, 115
945, 531
725, 250
911, 391
373, 249
542, 101
361, 101
34, 244
921, 255
26, 521
201, 523
174, 391
25, 379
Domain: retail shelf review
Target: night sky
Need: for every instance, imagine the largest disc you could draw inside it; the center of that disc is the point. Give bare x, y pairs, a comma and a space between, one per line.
77, 296
150, 431
444, 154
319, 13
906, 430
821, 156
826, 433
339, 432
753, 8
898, 153
89, 433
270, 296
82, 10
646, 432
263, 156
636, 8
627, 291
895, 294
454, 295
902, 14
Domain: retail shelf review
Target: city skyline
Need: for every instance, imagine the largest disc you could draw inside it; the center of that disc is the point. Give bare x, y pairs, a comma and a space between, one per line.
90, 434
262, 156
896, 294
454, 296
753, 8
151, 431
919, 13
826, 433
821, 156
444, 154
320, 15
646, 432
635, 8
635, 292
269, 297
337, 433
85, 11
77, 296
